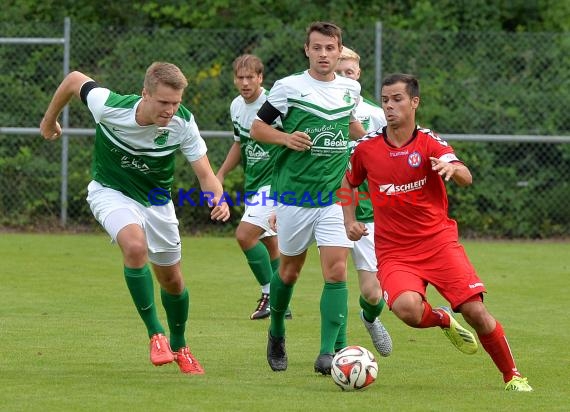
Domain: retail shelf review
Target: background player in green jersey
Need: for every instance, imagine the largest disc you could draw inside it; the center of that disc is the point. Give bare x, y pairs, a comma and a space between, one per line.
253, 234
317, 111
133, 169
372, 118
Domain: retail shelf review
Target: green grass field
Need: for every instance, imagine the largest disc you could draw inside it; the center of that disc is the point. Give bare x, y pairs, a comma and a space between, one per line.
71, 339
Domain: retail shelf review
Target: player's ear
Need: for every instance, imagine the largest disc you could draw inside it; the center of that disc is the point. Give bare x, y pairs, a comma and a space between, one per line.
415, 102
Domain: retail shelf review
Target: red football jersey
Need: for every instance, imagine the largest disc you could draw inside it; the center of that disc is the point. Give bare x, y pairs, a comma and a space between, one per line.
409, 198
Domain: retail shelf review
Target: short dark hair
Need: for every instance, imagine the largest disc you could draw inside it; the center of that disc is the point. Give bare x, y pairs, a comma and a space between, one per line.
411, 82
326, 28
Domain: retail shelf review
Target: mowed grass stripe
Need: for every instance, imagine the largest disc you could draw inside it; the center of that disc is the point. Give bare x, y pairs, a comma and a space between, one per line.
71, 338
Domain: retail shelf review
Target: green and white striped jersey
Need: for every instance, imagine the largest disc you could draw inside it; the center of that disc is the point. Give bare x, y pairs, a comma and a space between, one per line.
372, 118
370, 115
323, 110
257, 158
136, 159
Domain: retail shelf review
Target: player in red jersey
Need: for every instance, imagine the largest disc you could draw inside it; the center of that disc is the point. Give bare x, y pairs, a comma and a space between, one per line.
416, 242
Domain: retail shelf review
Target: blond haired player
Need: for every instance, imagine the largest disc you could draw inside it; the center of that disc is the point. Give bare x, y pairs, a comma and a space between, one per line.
136, 138
371, 116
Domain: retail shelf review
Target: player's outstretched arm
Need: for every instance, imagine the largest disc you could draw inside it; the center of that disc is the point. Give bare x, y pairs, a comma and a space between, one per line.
455, 170
354, 229
69, 87
230, 163
209, 183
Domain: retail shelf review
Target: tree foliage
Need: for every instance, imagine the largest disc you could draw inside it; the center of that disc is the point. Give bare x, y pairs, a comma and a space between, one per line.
454, 15
486, 74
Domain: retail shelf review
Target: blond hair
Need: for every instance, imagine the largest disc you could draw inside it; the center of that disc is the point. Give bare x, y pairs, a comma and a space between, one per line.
248, 62
167, 74
349, 54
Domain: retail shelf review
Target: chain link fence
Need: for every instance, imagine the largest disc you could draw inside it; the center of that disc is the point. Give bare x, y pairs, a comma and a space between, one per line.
500, 98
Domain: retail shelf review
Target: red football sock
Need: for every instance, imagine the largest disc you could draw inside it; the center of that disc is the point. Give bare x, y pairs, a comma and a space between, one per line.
432, 318
496, 345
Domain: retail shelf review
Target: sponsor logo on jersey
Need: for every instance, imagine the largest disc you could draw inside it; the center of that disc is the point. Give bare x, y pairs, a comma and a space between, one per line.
414, 159
255, 153
400, 153
327, 140
134, 163
393, 189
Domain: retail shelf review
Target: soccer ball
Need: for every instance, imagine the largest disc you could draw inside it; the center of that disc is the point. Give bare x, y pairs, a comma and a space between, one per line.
354, 368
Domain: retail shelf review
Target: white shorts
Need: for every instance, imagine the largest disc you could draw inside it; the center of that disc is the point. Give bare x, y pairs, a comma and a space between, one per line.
364, 254
258, 210
297, 227
158, 222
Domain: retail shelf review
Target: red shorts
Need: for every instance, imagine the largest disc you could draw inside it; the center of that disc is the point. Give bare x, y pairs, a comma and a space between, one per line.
447, 268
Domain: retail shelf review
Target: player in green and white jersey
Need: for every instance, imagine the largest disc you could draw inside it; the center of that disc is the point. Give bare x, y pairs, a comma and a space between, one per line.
317, 111
253, 234
372, 118
133, 169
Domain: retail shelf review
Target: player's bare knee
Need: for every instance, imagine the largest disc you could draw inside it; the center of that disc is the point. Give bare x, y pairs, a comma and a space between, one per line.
409, 316
135, 252
171, 281
245, 242
335, 271
479, 318
173, 285
408, 309
372, 295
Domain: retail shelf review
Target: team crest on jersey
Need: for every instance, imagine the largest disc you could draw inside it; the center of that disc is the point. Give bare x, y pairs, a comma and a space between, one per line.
414, 159
347, 97
162, 137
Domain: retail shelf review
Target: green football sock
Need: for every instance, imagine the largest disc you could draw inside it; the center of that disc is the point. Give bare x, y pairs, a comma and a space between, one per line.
341, 340
334, 311
140, 284
259, 262
176, 307
279, 299
275, 266
370, 311
275, 269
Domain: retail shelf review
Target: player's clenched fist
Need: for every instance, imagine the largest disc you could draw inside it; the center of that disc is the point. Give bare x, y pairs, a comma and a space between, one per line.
50, 131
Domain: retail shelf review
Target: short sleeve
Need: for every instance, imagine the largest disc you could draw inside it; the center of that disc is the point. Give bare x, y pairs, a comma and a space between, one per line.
193, 145
96, 100
356, 173
439, 148
277, 97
